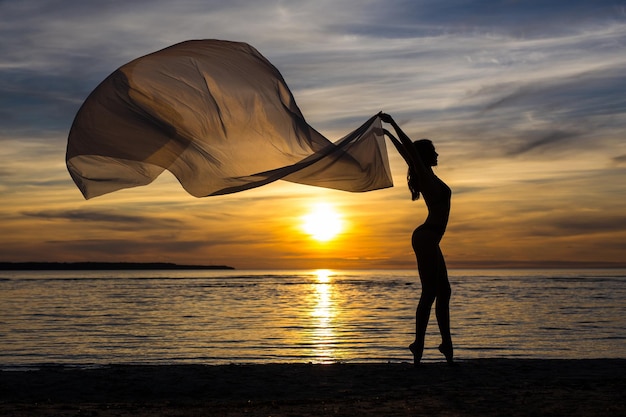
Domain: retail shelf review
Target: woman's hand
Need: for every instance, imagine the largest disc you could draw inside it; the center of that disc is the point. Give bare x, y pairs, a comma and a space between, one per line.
385, 117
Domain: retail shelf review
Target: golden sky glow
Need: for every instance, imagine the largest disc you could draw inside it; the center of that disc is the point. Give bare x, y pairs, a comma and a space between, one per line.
526, 109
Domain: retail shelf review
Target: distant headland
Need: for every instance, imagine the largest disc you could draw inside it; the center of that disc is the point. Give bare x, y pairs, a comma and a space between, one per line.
104, 266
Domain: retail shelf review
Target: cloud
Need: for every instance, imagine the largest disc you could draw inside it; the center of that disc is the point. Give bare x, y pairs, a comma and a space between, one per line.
108, 219
346, 53
580, 224
589, 93
117, 247
546, 140
620, 159
554, 112
31, 100
529, 17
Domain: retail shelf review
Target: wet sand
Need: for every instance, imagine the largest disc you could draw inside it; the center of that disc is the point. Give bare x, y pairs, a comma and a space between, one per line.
482, 387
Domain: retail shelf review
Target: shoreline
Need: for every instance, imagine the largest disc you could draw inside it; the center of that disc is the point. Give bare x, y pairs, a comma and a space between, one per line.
476, 387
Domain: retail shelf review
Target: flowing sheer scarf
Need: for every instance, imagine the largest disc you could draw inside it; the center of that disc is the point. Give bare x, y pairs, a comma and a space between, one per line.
220, 117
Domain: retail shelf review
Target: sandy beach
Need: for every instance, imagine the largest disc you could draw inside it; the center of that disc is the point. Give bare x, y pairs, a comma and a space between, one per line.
482, 387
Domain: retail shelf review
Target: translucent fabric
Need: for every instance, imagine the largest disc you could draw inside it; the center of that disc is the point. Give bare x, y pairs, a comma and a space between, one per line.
220, 117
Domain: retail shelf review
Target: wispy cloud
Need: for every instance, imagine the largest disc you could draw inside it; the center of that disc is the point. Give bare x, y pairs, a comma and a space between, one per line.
110, 220
114, 248
620, 159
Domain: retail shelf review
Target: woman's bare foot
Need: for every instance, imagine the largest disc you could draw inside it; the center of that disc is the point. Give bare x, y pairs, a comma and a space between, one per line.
417, 353
448, 352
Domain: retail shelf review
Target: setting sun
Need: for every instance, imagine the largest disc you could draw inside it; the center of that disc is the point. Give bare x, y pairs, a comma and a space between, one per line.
323, 222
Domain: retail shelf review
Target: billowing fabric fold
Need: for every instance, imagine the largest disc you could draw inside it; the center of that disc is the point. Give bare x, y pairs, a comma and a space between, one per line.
220, 117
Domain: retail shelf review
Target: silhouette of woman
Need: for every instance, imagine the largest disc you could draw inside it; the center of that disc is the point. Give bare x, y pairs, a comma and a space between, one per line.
421, 157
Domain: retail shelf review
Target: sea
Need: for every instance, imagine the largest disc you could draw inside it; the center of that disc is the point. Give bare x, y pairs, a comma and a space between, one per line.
96, 318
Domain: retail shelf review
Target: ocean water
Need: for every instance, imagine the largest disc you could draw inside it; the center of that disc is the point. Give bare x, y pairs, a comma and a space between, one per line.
87, 318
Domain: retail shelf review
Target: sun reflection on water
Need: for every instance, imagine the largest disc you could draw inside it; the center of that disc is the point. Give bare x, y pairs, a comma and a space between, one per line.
324, 313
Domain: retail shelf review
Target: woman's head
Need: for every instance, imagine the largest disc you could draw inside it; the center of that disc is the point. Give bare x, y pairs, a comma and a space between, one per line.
426, 150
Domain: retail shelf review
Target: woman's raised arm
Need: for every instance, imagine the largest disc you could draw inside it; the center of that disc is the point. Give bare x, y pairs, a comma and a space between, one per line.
425, 176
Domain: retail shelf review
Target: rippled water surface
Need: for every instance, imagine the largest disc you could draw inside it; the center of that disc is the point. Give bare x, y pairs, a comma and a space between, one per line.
215, 317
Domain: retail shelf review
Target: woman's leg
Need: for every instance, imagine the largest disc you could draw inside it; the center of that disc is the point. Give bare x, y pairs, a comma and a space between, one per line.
426, 252
422, 315
442, 308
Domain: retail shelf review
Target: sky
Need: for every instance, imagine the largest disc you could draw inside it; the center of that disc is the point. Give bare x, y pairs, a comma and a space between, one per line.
524, 100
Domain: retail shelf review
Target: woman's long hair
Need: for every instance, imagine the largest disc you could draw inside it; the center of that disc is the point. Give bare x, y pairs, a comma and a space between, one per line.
423, 147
